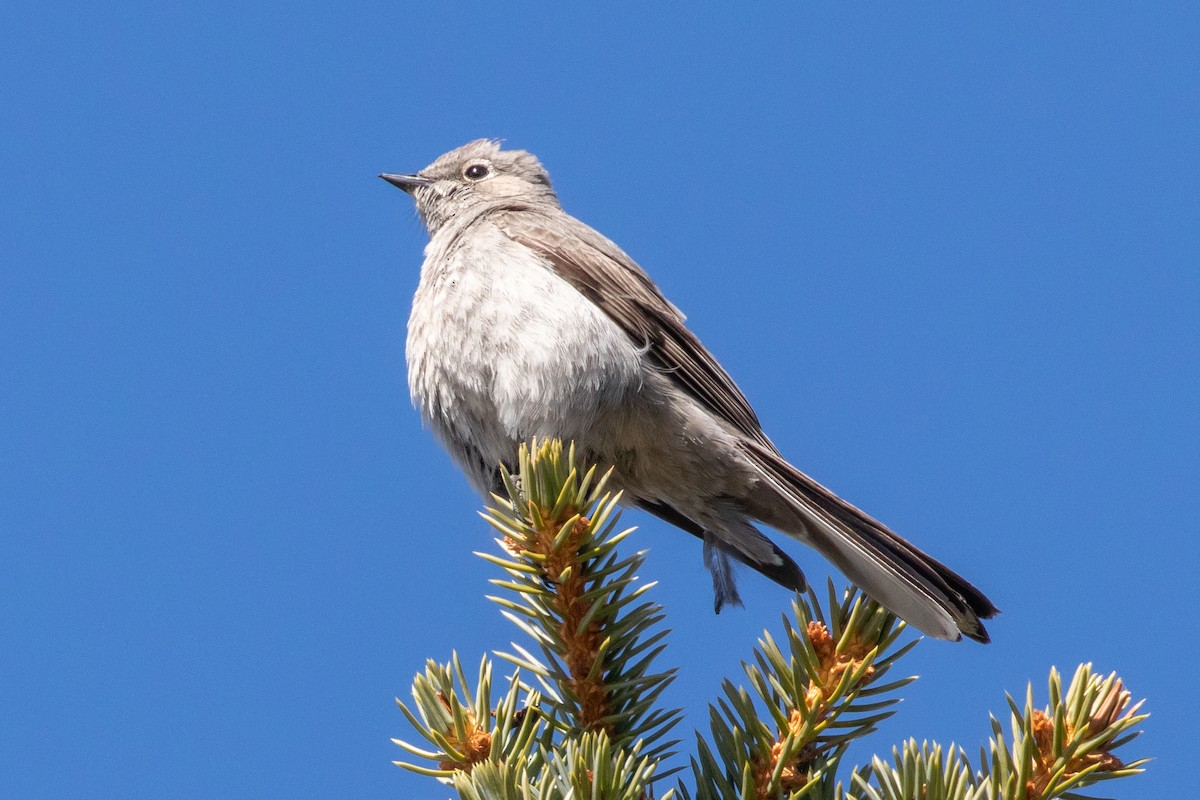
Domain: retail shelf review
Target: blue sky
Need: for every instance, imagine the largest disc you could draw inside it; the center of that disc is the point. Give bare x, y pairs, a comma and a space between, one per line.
951, 254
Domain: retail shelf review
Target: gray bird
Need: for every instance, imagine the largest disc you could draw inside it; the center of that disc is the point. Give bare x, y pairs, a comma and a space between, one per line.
528, 323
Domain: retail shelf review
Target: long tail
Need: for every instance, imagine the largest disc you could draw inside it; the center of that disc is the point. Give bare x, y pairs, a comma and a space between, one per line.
916, 587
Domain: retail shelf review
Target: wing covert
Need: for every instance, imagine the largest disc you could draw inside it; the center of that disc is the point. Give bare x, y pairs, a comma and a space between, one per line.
612, 280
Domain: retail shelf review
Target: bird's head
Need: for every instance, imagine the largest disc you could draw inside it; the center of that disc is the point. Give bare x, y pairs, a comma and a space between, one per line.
477, 175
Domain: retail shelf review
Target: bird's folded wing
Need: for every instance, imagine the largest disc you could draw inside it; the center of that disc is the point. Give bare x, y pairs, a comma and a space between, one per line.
612, 280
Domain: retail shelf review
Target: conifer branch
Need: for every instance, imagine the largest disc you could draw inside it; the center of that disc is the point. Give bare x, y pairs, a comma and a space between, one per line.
810, 698
580, 602
589, 723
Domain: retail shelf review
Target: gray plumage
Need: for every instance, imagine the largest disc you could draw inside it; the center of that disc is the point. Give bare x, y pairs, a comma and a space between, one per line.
528, 323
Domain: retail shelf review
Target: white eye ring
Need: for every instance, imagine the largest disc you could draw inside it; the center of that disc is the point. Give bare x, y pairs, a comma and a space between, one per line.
476, 172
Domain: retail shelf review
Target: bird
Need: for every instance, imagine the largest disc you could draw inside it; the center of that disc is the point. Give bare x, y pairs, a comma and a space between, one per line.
527, 323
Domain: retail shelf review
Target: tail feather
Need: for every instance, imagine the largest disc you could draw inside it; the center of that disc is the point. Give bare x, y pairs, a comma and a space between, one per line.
916, 587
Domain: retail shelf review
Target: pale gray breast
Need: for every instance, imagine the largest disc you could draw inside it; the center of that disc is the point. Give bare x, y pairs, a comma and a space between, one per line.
501, 349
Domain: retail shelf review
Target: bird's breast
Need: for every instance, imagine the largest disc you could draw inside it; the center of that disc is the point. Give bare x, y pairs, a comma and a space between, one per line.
501, 349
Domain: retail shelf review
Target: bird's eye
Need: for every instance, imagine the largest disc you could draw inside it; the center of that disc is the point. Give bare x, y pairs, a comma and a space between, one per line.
476, 172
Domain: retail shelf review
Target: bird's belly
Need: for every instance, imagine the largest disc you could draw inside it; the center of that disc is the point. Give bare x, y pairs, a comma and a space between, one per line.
505, 350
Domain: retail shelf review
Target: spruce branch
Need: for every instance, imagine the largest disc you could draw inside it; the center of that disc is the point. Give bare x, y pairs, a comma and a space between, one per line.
463, 727
1054, 751
918, 772
808, 699
587, 767
580, 602
591, 725
1066, 746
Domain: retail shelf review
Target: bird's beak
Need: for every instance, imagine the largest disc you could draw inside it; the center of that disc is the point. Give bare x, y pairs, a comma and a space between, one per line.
406, 182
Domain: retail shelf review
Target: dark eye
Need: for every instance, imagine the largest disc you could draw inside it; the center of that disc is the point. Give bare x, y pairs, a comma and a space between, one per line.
476, 171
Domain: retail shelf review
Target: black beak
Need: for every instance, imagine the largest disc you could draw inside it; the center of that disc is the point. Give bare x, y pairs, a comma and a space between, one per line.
406, 182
